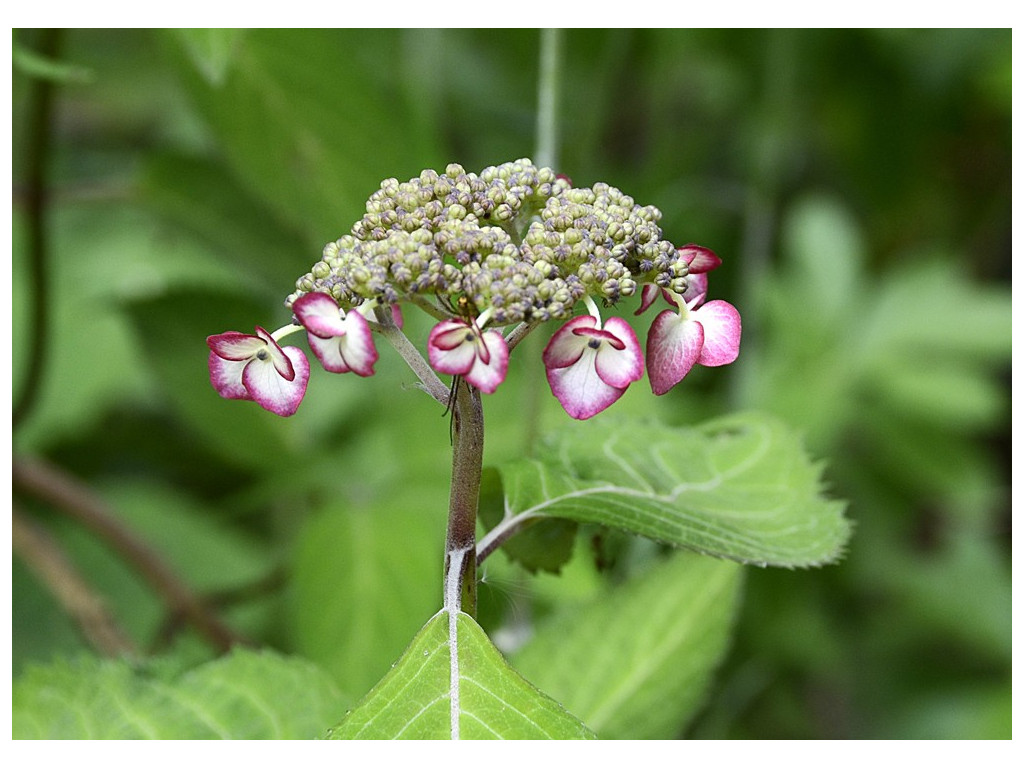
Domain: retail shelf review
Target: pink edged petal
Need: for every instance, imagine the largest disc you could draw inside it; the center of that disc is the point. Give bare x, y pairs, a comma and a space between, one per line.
619, 365
601, 336
696, 285
673, 346
226, 377
319, 314
580, 390
648, 295
489, 371
566, 347
452, 347
357, 346
281, 362
449, 334
722, 330
234, 345
271, 390
699, 258
354, 351
396, 315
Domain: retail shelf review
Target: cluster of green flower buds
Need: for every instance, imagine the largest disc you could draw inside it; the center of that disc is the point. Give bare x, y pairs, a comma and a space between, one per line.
516, 240
514, 244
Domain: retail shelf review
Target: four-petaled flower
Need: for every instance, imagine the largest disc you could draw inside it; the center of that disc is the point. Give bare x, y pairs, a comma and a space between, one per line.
342, 341
247, 367
698, 334
460, 348
589, 367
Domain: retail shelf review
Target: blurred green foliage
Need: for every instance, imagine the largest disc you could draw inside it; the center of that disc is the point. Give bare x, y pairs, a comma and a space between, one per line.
856, 183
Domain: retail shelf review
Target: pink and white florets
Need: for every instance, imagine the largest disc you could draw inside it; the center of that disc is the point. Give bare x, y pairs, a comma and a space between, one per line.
342, 341
255, 367
491, 257
696, 334
458, 347
589, 366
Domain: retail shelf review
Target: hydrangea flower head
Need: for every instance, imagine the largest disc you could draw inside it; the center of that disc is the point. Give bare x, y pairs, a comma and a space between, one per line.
495, 255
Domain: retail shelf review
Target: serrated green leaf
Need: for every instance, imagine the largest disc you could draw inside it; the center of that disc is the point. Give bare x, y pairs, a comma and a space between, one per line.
245, 695
427, 696
635, 662
740, 487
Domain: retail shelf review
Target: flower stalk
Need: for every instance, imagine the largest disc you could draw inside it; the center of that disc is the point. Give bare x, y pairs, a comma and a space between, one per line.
467, 467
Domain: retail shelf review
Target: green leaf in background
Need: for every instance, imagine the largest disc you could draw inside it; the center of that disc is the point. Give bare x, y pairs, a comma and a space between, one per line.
545, 545
177, 324
635, 663
365, 577
423, 697
211, 50
313, 120
256, 250
740, 487
245, 695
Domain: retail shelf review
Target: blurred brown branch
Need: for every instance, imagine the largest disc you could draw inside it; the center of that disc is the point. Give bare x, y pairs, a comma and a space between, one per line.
71, 497
44, 556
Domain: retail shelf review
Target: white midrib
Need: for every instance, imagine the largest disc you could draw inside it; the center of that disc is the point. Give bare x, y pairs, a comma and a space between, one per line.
452, 590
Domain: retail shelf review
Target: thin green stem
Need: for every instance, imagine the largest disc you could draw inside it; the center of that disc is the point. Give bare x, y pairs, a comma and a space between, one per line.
429, 380
547, 98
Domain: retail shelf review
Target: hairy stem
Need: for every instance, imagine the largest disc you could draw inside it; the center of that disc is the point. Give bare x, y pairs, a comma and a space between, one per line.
467, 466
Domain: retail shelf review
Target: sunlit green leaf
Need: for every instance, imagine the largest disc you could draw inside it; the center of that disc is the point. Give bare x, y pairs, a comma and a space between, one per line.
246, 695
739, 487
476, 695
636, 662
